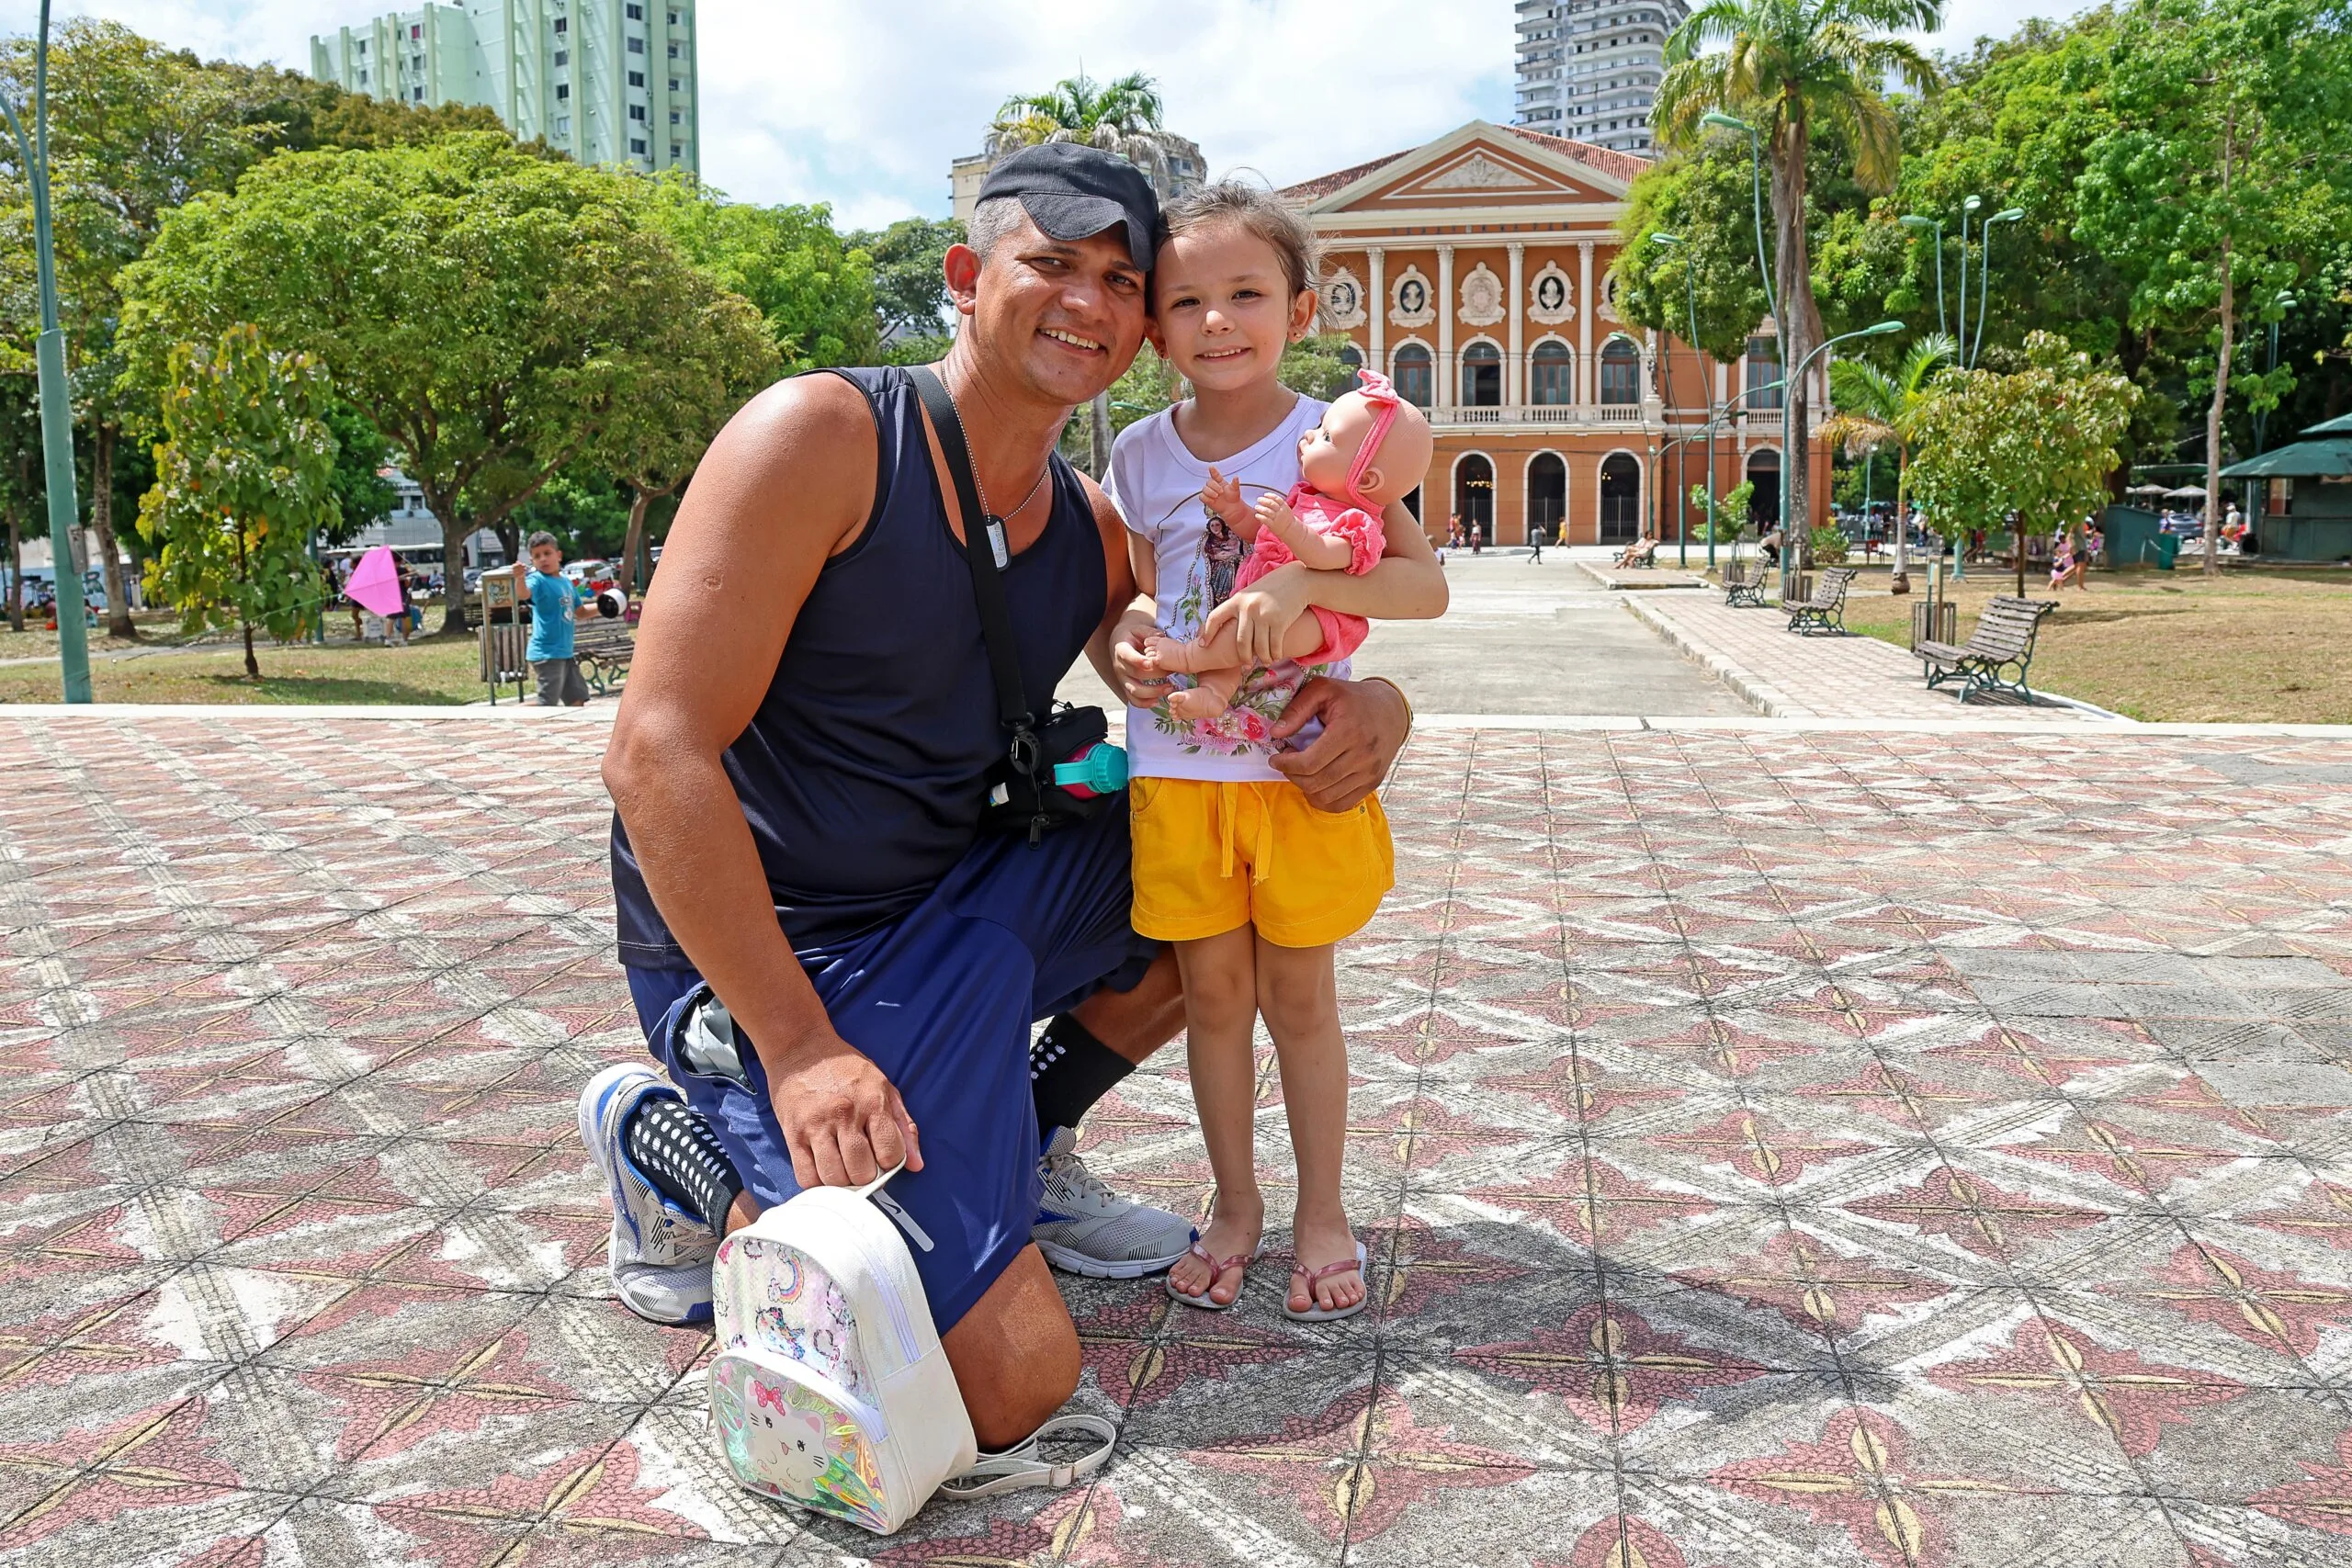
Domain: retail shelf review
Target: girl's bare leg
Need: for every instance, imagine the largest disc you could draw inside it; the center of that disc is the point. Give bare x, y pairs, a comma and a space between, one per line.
1220, 1007
1300, 1000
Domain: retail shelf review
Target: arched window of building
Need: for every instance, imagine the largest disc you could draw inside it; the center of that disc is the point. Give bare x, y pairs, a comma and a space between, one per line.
1482, 377
1552, 373
1416, 377
1621, 372
1474, 496
1352, 357
1547, 497
1764, 501
1621, 498
1763, 370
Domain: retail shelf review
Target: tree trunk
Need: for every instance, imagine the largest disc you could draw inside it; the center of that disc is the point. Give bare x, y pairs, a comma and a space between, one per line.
16, 573
252, 665
118, 623
1900, 582
1098, 433
454, 534
639, 498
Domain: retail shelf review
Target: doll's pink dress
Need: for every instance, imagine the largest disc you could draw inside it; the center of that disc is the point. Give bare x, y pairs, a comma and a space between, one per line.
1342, 634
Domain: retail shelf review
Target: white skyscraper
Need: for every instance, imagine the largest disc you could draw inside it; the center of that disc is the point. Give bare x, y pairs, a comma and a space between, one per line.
1588, 69
608, 81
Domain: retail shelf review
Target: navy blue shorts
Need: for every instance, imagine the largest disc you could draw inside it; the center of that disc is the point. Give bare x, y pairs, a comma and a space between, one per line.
941, 999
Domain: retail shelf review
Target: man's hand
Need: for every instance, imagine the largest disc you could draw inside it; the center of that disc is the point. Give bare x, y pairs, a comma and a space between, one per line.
841, 1119
1262, 612
1140, 684
1364, 726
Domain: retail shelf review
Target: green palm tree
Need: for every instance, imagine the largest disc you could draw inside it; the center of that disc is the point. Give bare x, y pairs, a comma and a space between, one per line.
1787, 65
1874, 411
1121, 117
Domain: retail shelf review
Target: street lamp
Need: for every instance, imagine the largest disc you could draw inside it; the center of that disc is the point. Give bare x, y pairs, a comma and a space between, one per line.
1985, 277
1682, 458
56, 408
1913, 220
1771, 297
1788, 460
2279, 305
1971, 205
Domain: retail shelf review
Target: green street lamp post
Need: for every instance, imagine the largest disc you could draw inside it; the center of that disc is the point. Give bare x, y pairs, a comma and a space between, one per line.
2279, 306
1966, 208
1682, 458
1788, 543
1913, 220
1984, 276
56, 406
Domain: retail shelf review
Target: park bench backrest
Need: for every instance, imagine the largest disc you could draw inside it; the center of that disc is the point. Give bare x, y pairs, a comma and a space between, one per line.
1831, 590
2006, 630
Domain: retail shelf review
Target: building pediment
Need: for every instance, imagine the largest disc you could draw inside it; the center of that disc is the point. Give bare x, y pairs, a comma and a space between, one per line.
1480, 166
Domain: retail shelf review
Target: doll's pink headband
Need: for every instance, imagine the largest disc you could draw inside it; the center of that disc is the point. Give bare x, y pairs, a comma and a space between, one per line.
1382, 396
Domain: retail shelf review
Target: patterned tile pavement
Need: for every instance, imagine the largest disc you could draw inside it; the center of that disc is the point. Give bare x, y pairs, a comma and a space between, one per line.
1788, 676
1776, 1148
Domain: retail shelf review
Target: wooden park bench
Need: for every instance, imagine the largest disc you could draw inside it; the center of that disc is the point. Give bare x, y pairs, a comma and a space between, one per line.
604, 650
1744, 584
1825, 610
2003, 640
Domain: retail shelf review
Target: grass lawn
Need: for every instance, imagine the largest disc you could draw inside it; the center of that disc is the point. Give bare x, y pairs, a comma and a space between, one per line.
438, 674
2255, 646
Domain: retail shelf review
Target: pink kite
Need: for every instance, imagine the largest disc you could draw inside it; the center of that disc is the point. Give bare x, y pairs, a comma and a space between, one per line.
375, 584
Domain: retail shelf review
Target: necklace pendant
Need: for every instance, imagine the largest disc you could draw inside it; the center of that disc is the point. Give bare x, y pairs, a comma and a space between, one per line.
997, 545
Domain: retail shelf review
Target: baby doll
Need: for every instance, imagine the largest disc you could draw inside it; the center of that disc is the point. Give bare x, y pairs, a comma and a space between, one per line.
1372, 449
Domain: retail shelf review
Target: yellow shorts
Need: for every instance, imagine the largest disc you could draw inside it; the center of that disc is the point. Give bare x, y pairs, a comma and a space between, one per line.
1212, 857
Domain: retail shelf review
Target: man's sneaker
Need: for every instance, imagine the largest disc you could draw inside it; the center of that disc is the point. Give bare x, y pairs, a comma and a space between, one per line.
1086, 1228
660, 1254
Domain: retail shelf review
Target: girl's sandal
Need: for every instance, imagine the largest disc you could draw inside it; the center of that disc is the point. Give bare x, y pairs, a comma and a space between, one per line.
1328, 1314
1217, 1269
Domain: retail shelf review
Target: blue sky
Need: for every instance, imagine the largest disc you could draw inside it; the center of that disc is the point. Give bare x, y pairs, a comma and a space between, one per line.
862, 103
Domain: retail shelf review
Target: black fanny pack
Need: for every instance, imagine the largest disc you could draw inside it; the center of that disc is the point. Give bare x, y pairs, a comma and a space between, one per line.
1020, 787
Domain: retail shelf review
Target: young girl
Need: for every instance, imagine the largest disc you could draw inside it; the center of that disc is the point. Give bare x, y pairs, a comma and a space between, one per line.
1253, 885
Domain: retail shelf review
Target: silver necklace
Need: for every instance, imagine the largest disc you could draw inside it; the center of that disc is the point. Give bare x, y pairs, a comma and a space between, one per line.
990, 517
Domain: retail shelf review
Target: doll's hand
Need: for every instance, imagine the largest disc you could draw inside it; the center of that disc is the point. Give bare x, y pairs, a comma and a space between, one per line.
1223, 496
1262, 612
1276, 516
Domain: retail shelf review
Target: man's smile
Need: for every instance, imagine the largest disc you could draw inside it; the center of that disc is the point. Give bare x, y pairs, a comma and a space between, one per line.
1084, 345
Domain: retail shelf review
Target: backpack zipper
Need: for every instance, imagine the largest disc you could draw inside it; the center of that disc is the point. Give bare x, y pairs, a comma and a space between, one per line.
884, 1285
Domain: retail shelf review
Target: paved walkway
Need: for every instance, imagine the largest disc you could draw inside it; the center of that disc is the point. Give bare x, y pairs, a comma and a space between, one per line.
1788, 676
1777, 1149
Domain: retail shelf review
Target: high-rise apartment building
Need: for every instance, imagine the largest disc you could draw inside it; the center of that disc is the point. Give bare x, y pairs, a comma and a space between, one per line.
1588, 69
608, 81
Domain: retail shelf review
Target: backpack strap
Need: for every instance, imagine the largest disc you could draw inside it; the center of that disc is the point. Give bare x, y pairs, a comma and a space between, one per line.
1022, 1464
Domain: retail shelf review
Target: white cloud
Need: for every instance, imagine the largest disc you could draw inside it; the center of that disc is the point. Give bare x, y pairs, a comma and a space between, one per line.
862, 103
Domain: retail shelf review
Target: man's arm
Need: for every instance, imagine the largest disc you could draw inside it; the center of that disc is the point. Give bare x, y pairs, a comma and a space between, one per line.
785, 485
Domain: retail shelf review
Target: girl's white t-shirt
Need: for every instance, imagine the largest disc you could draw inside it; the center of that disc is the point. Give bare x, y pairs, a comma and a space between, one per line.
1155, 484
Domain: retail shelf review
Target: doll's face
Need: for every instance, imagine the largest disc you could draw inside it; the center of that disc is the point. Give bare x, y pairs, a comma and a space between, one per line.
1327, 453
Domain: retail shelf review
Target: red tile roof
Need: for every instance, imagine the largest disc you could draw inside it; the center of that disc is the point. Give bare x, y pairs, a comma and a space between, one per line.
1617, 165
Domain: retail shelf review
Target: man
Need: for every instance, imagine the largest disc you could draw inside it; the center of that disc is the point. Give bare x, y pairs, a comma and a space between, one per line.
839, 973
555, 610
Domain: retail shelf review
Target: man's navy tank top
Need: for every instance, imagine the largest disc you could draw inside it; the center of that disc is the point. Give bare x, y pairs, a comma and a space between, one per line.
860, 774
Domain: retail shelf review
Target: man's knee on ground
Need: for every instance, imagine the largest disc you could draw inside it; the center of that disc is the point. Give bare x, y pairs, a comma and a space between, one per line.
1015, 1354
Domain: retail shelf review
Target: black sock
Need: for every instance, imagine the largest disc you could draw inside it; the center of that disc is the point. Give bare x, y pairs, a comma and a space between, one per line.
1069, 1071
677, 1151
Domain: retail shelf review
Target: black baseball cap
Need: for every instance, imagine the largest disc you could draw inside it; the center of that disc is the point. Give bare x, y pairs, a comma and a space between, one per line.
1075, 192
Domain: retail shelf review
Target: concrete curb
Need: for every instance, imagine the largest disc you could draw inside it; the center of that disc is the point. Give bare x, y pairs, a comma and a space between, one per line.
1764, 698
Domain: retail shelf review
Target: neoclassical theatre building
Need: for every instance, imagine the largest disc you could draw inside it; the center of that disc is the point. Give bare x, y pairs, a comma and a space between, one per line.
1476, 271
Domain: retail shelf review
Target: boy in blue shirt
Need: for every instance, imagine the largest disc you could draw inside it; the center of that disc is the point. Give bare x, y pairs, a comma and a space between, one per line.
554, 607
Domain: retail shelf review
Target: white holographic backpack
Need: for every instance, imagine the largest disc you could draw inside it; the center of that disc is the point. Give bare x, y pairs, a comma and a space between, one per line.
830, 1390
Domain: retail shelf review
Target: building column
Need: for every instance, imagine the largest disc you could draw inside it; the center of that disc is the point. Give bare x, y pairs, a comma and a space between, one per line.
1376, 307
1447, 392
1587, 378
1514, 370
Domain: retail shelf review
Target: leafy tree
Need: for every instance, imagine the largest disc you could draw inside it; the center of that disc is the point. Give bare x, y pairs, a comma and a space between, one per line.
910, 283
135, 129
1789, 65
712, 353
1148, 386
23, 489
486, 309
244, 478
584, 507
1874, 411
1313, 365
2038, 444
2230, 132
814, 288
362, 494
